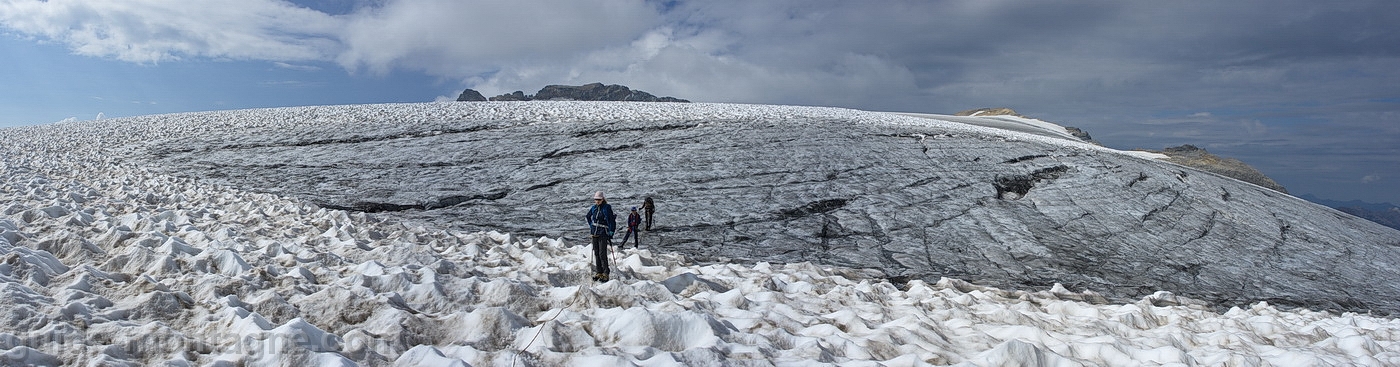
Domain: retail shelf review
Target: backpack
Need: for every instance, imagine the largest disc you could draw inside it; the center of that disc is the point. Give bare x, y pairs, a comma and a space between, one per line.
601, 221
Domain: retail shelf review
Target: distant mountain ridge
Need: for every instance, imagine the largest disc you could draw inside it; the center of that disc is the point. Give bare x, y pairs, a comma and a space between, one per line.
586, 92
1386, 214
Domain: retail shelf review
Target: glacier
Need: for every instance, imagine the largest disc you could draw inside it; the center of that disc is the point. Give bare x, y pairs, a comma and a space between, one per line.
450, 234
914, 197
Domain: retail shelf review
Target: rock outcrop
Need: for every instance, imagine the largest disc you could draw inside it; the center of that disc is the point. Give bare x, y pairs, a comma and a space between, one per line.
586, 92
513, 96
470, 95
1003, 111
1191, 156
1081, 134
991, 111
598, 92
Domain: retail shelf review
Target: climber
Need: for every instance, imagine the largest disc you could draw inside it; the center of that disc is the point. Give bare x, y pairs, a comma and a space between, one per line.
602, 223
648, 207
633, 220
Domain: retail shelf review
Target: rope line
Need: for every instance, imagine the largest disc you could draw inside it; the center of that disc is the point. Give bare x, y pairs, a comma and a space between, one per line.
557, 312
537, 333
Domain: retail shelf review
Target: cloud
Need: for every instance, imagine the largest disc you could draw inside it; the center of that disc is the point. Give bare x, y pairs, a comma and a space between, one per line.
297, 67
938, 56
448, 38
1370, 178
464, 38
696, 66
966, 51
151, 31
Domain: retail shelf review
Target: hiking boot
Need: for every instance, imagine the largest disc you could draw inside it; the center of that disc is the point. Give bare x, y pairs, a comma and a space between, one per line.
601, 277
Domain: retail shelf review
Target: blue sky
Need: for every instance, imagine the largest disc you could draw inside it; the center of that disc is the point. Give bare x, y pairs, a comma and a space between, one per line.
46, 82
1306, 91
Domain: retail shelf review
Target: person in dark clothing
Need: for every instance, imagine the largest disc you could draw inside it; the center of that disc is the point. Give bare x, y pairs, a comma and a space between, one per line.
648, 207
602, 223
633, 220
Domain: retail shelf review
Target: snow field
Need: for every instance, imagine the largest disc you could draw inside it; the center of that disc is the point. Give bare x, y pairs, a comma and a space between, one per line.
105, 263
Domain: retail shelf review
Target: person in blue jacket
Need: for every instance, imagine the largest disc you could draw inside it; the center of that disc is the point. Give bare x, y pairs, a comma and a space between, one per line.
602, 223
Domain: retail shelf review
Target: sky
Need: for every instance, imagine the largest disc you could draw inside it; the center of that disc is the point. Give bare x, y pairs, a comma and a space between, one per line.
1308, 92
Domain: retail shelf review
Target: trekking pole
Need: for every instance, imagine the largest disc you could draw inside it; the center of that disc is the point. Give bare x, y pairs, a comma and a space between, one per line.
612, 260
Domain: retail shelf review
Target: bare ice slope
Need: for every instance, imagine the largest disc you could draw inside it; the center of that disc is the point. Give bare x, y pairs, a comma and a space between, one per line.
913, 197
1006, 122
146, 241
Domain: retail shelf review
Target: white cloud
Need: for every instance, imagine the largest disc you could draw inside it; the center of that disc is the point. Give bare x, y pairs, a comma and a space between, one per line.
1089, 58
450, 38
740, 51
1370, 178
465, 38
1253, 127
699, 67
150, 31
297, 67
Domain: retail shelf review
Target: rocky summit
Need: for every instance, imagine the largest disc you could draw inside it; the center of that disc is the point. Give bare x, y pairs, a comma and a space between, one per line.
470, 95
1192, 156
913, 197
586, 92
